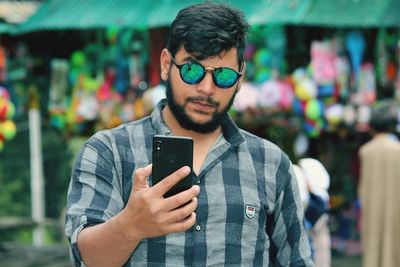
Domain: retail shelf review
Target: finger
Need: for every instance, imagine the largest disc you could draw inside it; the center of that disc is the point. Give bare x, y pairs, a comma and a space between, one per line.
140, 177
168, 182
182, 225
181, 213
181, 198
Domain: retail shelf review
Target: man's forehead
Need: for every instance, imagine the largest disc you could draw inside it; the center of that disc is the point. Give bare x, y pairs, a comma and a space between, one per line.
183, 52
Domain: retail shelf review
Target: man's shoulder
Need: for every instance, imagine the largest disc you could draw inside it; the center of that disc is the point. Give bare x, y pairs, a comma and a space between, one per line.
123, 131
254, 140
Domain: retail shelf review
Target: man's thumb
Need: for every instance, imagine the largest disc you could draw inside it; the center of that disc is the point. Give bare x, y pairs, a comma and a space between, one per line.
140, 177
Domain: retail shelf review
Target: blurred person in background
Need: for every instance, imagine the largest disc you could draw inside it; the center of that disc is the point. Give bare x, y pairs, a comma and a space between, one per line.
379, 190
245, 208
317, 180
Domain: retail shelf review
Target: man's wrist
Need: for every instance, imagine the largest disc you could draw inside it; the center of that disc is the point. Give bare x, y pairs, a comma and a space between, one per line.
124, 228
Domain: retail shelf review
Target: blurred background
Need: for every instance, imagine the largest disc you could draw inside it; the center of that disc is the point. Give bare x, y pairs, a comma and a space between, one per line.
70, 68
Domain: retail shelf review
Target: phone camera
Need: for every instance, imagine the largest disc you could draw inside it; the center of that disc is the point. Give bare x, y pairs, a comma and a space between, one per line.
158, 147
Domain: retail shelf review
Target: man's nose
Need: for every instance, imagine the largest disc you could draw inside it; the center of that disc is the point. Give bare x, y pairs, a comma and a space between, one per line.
206, 86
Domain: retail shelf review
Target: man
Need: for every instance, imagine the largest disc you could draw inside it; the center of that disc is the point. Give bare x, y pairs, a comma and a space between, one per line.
379, 190
244, 209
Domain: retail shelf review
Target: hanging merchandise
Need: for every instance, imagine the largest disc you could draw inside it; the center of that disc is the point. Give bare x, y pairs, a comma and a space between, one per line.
323, 63
382, 58
109, 101
246, 98
363, 118
366, 93
355, 45
122, 63
8, 128
58, 92
342, 78
136, 60
276, 43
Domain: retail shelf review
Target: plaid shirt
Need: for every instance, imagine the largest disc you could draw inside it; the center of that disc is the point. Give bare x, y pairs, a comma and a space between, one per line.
249, 212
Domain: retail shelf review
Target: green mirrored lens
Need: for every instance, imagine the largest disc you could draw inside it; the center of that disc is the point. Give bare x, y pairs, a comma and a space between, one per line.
192, 73
225, 77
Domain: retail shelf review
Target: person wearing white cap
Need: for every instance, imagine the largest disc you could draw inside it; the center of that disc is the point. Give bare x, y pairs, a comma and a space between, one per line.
318, 181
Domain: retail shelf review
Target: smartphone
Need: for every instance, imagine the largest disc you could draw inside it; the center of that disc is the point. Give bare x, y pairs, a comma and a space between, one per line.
171, 153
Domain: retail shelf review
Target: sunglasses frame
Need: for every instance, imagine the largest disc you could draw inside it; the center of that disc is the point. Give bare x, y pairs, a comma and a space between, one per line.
180, 66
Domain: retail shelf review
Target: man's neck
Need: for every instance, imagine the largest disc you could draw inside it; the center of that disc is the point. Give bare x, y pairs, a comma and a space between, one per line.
202, 143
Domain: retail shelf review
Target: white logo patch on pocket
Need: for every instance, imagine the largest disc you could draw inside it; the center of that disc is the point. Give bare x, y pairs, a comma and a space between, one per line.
250, 211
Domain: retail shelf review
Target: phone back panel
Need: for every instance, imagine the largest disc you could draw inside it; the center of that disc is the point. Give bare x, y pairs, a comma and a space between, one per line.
170, 153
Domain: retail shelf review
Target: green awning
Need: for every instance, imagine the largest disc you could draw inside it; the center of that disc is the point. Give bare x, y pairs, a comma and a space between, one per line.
89, 14
353, 13
92, 14
272, 11
6, 28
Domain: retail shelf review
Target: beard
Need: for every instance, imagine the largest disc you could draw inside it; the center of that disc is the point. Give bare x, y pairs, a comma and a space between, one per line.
186, 122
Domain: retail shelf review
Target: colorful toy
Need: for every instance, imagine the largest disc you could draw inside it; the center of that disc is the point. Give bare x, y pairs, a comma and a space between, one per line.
306, 89
8, 129
314, 109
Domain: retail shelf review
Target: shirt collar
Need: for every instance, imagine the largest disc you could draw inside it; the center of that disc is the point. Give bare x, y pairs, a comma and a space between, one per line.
230, 130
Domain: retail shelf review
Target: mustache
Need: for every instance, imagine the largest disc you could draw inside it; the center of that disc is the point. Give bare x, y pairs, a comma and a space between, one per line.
208, 100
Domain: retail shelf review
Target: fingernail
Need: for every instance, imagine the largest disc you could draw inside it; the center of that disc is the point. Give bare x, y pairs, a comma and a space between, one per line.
185, 170
197, 188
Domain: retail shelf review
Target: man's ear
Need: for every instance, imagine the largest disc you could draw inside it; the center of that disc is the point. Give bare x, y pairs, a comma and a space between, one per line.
241, 77
165, 62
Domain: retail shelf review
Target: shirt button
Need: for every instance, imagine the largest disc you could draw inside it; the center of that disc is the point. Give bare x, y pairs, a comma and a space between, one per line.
198, 181
197, 227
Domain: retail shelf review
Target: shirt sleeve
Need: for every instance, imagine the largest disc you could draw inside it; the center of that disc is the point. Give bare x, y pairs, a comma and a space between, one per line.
94, 193
289, 245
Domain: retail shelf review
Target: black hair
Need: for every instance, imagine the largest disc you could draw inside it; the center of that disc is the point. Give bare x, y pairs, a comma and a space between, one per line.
208, 29
383, 116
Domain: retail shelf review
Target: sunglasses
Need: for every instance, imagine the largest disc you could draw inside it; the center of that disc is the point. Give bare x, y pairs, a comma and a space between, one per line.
193, 73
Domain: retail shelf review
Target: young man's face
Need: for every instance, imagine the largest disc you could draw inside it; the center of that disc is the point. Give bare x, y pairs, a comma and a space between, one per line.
198, 107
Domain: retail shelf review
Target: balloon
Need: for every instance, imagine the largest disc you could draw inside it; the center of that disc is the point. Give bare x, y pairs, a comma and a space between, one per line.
313, 129
4, 93
262, 57
8, 129
349, 115
298, 107
326, 90
249, 52
262, 74
314, 109
90, 84
57, 121
3, 109
7, 109
286, 95
11, 110
334, 114
78, 59
269, 94
299, 74
247, 97
305, 90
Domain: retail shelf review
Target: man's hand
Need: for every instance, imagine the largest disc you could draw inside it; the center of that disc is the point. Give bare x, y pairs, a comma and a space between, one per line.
149, 214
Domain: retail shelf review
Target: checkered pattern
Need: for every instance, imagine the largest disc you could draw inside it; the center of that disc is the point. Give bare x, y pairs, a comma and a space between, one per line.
240, 170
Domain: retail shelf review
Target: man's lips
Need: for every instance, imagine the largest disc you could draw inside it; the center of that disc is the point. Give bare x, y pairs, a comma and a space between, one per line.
203, 105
